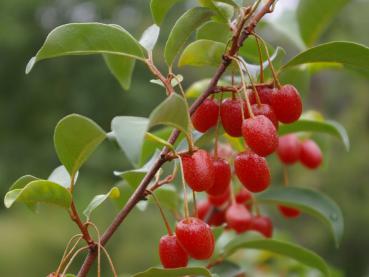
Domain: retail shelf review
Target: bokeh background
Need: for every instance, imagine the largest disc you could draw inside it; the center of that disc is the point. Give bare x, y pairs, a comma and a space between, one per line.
30, 106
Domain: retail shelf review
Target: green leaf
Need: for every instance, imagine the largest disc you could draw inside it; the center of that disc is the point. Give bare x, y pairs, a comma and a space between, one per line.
39, 191
159, 9
129, 132
61, 176
223, 11
351, 55
202, 53
85, 39
215, 31
290, 250
178, 272
150, 37
182, 29
114, 193
134, 176
173, 112
311, 202
167, 196
121, 67
22, 182
307, 125
227, 269
75, 138
314, 16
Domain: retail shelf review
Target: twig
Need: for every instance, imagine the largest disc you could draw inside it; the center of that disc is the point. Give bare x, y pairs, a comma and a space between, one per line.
139, 192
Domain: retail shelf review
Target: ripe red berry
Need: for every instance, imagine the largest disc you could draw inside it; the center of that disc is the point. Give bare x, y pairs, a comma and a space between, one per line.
311, 156
203, 208
289, 148
231, 116
206, 116
238, 218
243, 196
252, 170
171, 253
222, 177
220, 200
198, 170
267, 111
195, 237
263, 225
289, 212
286, 103
260, 135
265, 94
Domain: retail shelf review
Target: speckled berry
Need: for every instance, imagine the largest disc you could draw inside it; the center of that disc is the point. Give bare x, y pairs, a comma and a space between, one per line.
206, 116
260, 135
252, 171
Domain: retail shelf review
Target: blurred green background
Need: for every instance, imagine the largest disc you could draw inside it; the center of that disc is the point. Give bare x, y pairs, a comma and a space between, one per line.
30, 107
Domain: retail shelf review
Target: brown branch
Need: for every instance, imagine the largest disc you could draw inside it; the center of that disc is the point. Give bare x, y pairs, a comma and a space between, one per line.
137, 195
83, 228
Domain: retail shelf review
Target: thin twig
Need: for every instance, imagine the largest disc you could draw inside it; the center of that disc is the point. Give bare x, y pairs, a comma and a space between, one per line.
139, 192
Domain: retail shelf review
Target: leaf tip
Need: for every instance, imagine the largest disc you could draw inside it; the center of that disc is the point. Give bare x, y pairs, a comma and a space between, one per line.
30, 65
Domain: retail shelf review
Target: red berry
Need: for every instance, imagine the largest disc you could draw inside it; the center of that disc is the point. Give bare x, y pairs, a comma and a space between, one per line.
289, 212
195, 237
310, 155
203, 208
265, 94
260, 135
222, 177
238, 218
219, 200
267, 111
252, 170
243, 196
289, 148
206, 116
171, 253
198, 170
231, 116
286, 103
263, 225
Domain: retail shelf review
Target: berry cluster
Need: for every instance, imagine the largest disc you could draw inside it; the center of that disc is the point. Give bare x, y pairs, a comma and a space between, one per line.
256, 119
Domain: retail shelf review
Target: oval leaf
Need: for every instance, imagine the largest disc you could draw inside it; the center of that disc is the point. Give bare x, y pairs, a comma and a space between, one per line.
202, 52
215, 31
159, 9
129, 132
173, 112
328, 127
290, 250
350, 55
39, 191
87, 38
114, 193
183, 28
150, 37
161, 272
61, 176
311, 202
75, 139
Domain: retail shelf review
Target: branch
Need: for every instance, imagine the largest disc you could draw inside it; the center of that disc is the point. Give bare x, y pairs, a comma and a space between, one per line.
85, 234
237, 42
